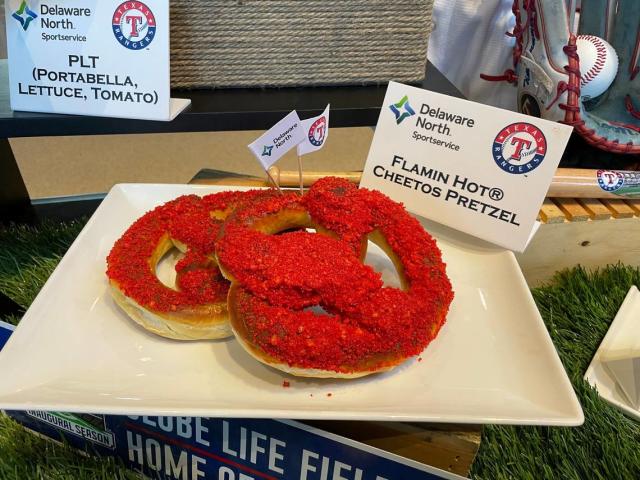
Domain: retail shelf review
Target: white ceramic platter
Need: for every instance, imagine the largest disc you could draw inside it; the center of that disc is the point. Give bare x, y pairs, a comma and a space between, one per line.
74, 350
597, 375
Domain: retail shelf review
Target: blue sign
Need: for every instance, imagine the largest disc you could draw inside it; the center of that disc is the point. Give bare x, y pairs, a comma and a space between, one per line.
5, 333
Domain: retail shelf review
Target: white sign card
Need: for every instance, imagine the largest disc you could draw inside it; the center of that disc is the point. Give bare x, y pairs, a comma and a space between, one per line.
478, 169
91, 57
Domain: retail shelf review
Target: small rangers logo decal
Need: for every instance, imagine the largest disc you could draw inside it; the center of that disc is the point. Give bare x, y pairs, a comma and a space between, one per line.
519, 148
317, 131
134, 25
610, 180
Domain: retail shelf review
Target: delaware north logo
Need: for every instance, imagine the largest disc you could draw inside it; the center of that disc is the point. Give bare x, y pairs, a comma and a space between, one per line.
266, 152
610, 180
24, 15
317, 132
519, 148
402, 109
134, 25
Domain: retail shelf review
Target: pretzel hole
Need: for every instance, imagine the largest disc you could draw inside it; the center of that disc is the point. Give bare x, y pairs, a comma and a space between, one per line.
291, 230
166, 267
382, 259
317, 309
379, 260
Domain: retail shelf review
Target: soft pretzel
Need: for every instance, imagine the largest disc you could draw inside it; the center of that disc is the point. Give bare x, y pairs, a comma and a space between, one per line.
197, 309
276, 278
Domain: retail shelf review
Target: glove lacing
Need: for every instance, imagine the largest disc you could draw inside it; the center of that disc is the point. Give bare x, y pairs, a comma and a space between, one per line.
509, 74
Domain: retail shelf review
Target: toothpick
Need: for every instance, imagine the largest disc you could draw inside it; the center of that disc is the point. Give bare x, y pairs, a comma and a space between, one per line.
275, 184
300, 173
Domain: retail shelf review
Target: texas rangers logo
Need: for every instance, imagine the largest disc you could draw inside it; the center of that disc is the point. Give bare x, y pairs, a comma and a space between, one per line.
610, 180
317, 131
134, 25
519, 148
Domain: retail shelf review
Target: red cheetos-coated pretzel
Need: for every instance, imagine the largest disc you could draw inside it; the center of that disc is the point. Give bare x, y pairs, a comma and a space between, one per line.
197, 309
369, 327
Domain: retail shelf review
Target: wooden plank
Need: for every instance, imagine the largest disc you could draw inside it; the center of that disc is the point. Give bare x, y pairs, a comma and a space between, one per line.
208, 176
572, 209
590, 244
449, 447
597, 210
619, 209
550, 213
635, 205
289, 178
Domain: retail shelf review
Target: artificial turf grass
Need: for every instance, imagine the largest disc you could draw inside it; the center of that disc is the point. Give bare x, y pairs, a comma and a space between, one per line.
577, 307
29, 254
25, 456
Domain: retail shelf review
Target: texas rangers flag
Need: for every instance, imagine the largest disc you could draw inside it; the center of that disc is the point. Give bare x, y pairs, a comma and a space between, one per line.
316, 131
278, 140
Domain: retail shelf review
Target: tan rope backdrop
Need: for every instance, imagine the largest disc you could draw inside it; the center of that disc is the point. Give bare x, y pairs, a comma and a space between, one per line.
247, 43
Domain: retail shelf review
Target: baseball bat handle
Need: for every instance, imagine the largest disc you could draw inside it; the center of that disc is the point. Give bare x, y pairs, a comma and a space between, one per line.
576, 183
566, 183
581, 183
287, 178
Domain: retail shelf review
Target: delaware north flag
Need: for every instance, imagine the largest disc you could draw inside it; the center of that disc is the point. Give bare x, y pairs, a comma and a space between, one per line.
278, 140
316, 131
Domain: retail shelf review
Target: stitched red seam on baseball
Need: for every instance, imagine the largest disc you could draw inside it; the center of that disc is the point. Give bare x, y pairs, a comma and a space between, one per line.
572, 116
600, 61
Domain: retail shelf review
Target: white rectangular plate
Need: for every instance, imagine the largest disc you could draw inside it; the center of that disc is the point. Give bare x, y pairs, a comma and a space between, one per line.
74, 350
597, 375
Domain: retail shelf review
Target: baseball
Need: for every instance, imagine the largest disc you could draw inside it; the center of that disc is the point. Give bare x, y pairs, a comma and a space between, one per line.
598, 65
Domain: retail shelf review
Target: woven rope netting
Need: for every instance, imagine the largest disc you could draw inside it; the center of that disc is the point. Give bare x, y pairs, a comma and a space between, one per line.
287, 42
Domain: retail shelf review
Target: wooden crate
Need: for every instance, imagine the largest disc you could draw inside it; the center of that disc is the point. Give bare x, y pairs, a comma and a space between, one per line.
587, 232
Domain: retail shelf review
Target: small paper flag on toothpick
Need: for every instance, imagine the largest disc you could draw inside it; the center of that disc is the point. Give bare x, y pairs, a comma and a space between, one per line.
316, 131
278, 140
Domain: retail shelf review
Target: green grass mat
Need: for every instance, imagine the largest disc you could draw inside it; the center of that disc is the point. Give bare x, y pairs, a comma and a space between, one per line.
27, 258
577, 308
25, 456
29, 255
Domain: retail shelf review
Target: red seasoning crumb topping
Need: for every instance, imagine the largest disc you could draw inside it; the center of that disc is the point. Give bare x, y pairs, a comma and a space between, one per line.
338, 206
185, 221
367, 326
286, 384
